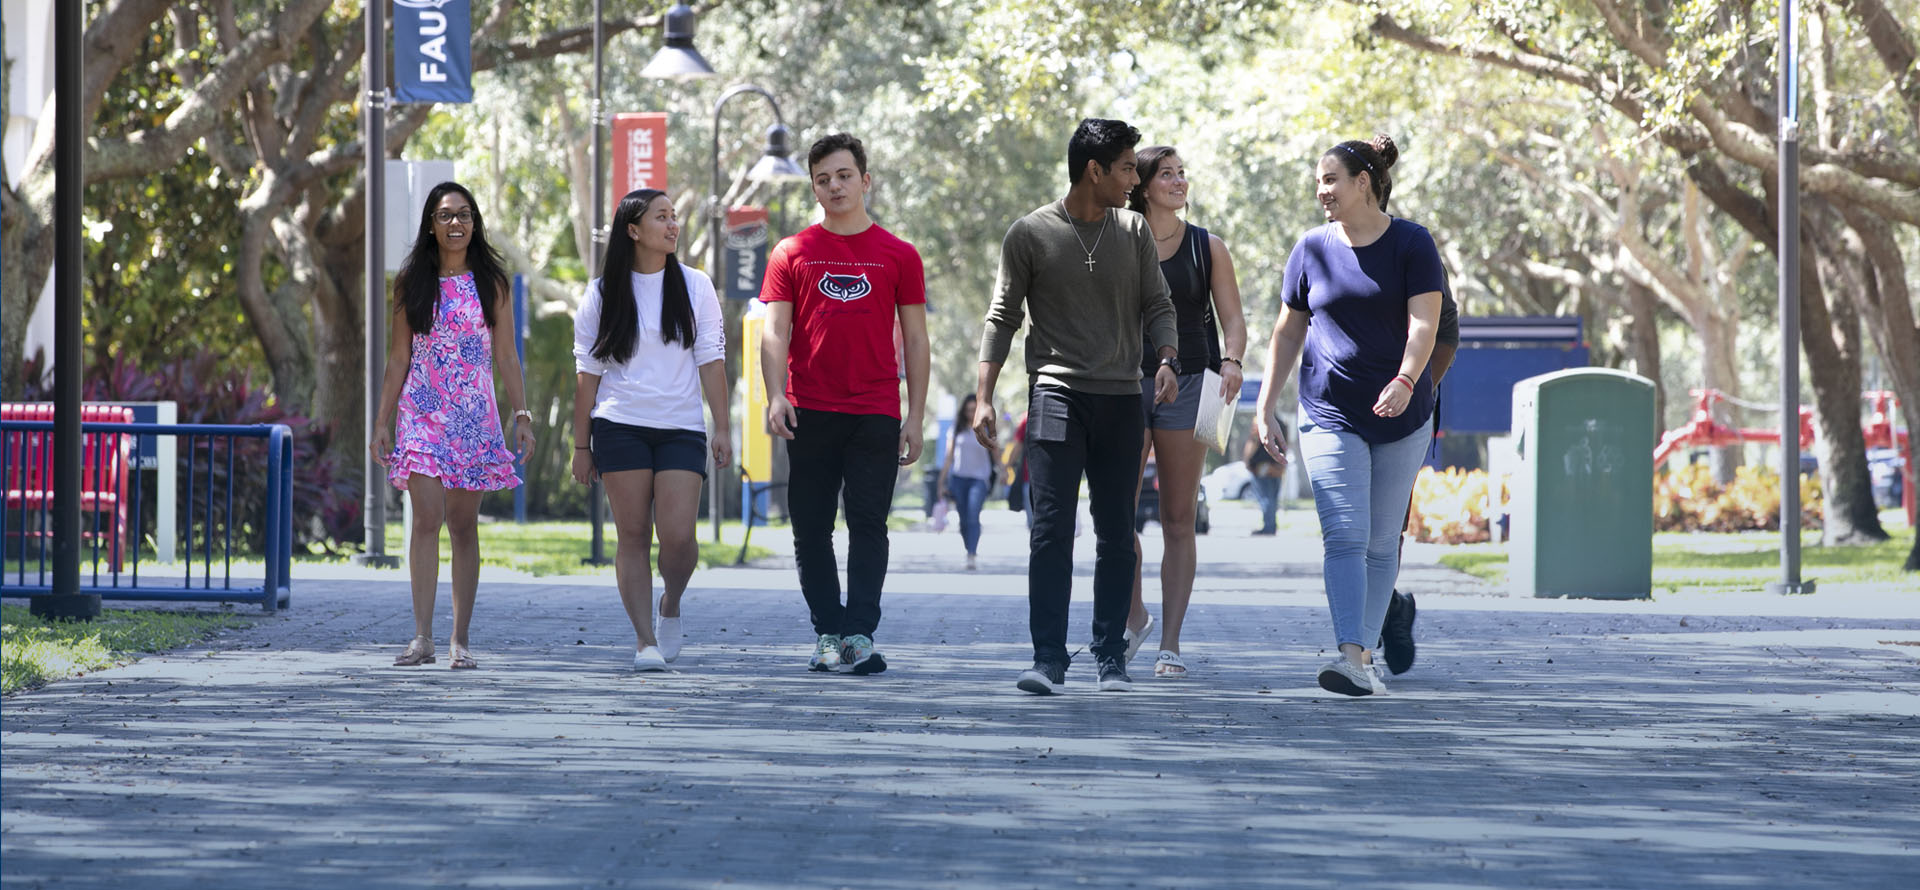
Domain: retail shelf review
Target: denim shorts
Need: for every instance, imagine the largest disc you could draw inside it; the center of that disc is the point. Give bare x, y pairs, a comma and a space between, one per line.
1179, 414
618, 447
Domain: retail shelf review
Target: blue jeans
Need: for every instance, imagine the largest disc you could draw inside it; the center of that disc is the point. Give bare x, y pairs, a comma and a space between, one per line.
969, 496
1361, 491
1266, 491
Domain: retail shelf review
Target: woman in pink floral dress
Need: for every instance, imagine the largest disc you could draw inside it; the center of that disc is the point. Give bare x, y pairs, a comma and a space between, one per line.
451, 329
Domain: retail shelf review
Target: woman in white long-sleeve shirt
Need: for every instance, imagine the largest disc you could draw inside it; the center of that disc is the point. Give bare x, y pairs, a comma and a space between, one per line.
647, 342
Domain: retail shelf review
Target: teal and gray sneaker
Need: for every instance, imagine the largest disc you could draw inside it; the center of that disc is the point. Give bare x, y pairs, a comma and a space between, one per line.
858, 651
826, 654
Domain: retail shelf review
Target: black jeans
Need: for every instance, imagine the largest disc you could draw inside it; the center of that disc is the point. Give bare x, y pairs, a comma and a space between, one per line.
1070, 433
829, 451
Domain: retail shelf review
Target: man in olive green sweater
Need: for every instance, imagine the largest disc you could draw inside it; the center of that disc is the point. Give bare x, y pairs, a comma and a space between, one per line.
1087, 273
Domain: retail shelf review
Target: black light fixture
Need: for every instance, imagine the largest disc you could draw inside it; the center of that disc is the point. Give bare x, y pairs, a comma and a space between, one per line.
777, 166
677, 59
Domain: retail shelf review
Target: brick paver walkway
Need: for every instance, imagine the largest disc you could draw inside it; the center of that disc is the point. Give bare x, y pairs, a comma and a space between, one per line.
1703, 741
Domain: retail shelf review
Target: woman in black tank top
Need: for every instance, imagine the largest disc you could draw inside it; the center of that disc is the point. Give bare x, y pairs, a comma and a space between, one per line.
1206, 302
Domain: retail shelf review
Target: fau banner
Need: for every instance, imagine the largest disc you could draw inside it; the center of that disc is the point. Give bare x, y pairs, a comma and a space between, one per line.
639, 152
746, 252
432, 51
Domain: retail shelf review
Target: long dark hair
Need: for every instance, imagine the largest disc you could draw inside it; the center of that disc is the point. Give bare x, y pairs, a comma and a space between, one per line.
1147, 162
619, 314
417, 288
963, 418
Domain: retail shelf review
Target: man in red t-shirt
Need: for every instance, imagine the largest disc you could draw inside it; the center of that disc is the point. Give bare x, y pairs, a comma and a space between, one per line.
833, 294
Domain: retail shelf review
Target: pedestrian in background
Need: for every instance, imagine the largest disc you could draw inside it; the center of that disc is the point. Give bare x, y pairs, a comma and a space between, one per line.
1266, 473
452, 329
966, 475
1370, 284
1206, 303
647, 342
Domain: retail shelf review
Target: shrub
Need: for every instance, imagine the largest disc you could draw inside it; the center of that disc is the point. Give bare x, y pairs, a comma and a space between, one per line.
1686, 498
1452, 506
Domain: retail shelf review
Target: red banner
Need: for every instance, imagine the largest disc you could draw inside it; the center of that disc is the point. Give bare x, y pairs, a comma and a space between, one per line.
639, 152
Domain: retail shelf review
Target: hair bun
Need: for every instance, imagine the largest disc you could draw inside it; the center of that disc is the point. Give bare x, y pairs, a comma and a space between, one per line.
1389, 152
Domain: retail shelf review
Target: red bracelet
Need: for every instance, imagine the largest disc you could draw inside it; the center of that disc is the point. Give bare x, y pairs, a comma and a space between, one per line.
1409, 381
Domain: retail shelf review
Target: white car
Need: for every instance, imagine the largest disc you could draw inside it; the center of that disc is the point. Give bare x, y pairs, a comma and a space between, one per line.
1229, 482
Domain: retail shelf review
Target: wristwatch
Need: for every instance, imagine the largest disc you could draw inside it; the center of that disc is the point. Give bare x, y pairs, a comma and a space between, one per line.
524, 413
1171, 361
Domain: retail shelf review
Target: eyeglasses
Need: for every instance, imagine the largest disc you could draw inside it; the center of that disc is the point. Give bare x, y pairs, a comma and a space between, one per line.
464, 217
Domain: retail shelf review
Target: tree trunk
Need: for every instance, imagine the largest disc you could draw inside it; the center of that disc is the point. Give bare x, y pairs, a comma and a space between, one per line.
1644, 342
1831, 338
1886, 300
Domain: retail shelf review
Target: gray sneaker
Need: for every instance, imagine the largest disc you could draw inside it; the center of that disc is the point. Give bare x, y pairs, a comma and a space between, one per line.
1113, 676
1044, 678
826, 654
857, 650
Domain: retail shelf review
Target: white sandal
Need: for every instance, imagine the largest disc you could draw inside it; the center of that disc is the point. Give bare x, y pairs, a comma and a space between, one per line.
1169, 666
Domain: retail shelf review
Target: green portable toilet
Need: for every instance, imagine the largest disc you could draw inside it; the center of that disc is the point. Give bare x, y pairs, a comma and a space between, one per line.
1582, 508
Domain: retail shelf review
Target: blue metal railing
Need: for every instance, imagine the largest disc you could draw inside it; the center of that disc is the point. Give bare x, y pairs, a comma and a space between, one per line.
114, 492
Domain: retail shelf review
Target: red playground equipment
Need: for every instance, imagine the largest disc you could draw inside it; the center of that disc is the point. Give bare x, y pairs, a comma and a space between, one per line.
1702, 431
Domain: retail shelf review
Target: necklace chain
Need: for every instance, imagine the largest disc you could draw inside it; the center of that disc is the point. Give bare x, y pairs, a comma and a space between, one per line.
1168, 236
1072, 223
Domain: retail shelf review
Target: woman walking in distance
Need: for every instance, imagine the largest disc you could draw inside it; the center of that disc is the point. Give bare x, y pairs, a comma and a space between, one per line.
1370, 283
452, 329
648, 341
1206, 302
966, 475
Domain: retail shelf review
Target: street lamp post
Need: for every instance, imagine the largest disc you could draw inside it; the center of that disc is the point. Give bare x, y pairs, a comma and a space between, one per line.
596, 494
1789, 296
374, 68
68, 362
774, 166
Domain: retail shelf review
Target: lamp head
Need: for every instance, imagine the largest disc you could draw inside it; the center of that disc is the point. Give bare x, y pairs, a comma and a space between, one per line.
776, 166
676, 58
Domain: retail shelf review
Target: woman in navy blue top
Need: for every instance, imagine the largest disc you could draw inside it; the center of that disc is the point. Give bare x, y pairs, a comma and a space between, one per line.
1360, 306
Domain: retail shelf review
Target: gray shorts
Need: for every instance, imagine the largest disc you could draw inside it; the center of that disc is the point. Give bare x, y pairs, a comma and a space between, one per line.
1180, 414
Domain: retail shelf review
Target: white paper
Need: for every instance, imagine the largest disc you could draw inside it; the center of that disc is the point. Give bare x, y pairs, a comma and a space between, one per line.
1213, 425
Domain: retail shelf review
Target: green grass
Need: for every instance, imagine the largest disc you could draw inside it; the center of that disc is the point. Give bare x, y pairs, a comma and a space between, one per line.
558, 548
1737, 561
34, 651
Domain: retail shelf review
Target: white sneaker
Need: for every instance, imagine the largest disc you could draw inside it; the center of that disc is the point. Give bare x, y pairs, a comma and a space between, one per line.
1347, 678
668, 632
649, 659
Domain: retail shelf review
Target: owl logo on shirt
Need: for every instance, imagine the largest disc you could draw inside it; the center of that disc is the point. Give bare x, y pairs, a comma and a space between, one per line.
845, 288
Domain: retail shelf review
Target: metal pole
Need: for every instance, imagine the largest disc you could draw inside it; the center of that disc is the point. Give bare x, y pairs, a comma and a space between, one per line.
67, 601
716, 236
1789, 295
520, 354
374, 66
596, 494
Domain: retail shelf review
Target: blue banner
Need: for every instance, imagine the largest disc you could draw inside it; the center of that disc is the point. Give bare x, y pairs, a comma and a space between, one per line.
432, 51
746, 252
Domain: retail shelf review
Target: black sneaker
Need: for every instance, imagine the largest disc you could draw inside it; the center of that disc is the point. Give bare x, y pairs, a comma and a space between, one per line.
1044, 678
1113, 676
1396, 635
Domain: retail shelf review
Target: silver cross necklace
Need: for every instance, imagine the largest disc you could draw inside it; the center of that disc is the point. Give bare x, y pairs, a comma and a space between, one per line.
1083, 242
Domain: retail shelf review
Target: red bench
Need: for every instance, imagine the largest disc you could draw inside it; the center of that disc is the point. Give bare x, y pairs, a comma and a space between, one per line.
26, 475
